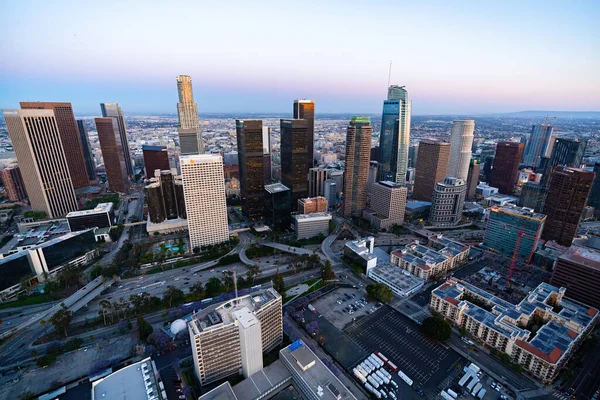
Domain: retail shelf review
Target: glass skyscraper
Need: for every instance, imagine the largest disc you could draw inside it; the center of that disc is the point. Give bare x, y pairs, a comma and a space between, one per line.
395, 135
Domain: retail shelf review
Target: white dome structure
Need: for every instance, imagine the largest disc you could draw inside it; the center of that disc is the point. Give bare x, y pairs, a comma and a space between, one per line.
177, 326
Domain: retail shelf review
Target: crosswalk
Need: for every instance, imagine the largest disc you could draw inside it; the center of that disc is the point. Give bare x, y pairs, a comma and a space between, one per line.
541, 394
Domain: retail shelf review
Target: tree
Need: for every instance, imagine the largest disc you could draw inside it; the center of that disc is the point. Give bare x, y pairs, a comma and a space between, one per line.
253, 272
213, 287
197, 289
27, 396
144, 328
227, 280
380, 292
173, 295
278, 283
70, 274
327, 273
437, 328
106, 305
62, 318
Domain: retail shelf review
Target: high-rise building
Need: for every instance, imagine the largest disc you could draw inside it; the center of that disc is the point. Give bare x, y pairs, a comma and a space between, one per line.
43, 163
295, 140
507, 223
204, 193
190, 135
431, 167
461, 140
388, 202
88, 157
13, 183
232, 336
412, 155
330, 192
166, 200
566, 152
267, 154
69, 136
312, 205
277, 206
532, 196
155, 157
567, 196
594, 199
112, 152
250, 155
305, 109
473, 178
578, 270
316, 179
447, 202
358, 147
113, 110
394, 138
540, 144
506, 166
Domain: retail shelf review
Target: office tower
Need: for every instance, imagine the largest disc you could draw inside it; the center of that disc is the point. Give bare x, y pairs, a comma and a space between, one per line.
567, 196
412, 155
267, 154
204, 193
461, 140
88, 157
431, 167
486, 171
295, 140
112, 152
113, 110
316, 178
566, 152
473, 178
312, 205
166, 200
277, 206
232, 336
594, 199
506, 166
540, 144
330, 192
578, 270
358, 147
305, 109
395, 135
250, 156
388, 202
230, 158
155, 157
338, 177
506, 224
373, 176
190, 134
43, 163
101, 216
447, 202
69, 136
308, 226
532, 196
13, 183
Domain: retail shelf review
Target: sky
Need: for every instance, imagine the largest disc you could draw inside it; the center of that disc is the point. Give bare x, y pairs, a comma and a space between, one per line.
454, 57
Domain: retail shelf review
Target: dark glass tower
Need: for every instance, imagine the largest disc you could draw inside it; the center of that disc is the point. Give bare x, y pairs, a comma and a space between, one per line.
87, 153
305, 109
295, 139
566, 152
250, 161
113, 110
395, 135
358, 151
506, 166
277, 206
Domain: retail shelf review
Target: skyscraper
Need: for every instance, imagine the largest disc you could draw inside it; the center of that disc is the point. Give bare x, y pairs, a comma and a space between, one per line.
13, 183
267, 154
305, 109
252, 180
447, 202
540, 144
388, 204
566, 152
330, 192
277, 207
358, 148
506, 166
432, 164
112, 152
594, 199
204, 191
113, 110
295, 140
567, 196
395, 135
190, 135
37, 142
90, 164
155, 157
69, 136
532, 196
165, 196
473, 178
461, 141
316, 179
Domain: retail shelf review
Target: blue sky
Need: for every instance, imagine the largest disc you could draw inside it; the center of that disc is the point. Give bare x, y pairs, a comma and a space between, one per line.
258, 56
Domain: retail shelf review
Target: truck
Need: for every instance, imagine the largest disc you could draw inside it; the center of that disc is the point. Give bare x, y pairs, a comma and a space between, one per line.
311, 308
359, 375
383, 358
476, 389
445, 395
385, 373
392, 366
452, 393
384, 378
405, 378
373, 381
377, 378
464, 379
473, 367
481, 393
473, 382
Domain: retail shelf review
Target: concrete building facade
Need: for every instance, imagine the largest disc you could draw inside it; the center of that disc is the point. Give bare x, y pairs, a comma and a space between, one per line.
112, 152
578, 270
112, 110
461, 141
307, 226
13, 183
447, 202
388, 203
312, 205
431, 167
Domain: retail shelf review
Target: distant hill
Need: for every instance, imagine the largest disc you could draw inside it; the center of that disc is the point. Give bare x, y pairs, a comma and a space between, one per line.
562, 114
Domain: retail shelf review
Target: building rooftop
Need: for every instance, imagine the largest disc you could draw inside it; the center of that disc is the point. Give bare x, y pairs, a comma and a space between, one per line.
262, 381
583, 255
417, 205
391, 184
313, 216
360, 120
361, 247
135, 381
88, 190
521, 212
222, 392
400, 278
276, 188
100, 208
421, 256
153, 148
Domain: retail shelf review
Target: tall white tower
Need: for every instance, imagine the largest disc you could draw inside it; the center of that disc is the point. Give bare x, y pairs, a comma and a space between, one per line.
190, 136
461, 140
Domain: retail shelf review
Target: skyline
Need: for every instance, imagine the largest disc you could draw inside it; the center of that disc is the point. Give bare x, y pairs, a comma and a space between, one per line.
492, 59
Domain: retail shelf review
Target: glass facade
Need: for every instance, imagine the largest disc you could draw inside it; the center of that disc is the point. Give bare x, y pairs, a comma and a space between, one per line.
295, 138
13, 269
250, 155
64, 251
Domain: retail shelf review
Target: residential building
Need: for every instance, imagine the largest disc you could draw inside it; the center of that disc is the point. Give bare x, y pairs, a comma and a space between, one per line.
329, 192
447, 202
277, 206
501, 325
567, 196
394, 138
513, 230
358, 147
204, 193
594, 198
140, 380
566, 152
112, 110
461, 141
252, 180
86, 147
431, 167
230, 337
473, 179
69, 137
400, 281
42, 161
361, 252
388, 203
506, 166
539, 145
312, 205
190, 135
295, 140
533, 195
316, 179
307, 226
112, 153
155, 157
578, 271
101, 216
305, 109
13, 183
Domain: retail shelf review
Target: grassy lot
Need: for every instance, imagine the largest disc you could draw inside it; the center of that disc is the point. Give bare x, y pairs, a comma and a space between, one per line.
27, 301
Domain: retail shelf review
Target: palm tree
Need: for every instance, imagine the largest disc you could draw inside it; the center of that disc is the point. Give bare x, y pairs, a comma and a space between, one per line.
106, 305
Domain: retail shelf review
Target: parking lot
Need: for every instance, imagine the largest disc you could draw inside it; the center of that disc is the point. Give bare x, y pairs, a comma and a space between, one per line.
341, 307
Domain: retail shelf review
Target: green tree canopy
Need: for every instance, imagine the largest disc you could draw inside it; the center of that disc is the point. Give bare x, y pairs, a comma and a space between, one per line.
213, 287
437, 328
61, 319
380, 292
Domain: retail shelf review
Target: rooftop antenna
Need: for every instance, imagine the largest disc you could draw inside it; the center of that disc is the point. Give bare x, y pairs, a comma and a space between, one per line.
390, 74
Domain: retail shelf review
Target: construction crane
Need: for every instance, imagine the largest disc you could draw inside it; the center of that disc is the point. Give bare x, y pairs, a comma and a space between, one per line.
513, 261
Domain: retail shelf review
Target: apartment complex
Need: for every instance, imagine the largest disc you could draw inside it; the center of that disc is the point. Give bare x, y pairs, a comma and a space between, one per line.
504, 326
229, 338
388, 203
113, 154
431, 167
312, 205
358, 152
190, 135
578, 270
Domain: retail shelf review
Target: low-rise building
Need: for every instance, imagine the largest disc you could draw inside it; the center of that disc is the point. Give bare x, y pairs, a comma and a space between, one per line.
484, 190
361, 252
578, 270
400, 281
139, 380
101, 216
312, 205
499, 200
310, 225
